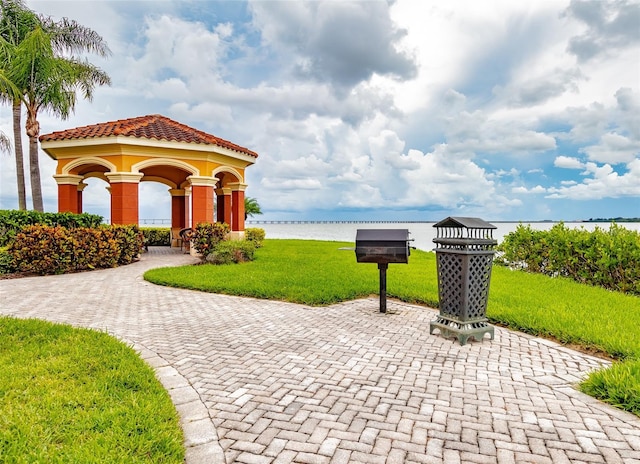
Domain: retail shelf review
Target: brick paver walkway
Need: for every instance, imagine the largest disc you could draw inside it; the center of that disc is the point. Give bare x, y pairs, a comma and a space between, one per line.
270, 382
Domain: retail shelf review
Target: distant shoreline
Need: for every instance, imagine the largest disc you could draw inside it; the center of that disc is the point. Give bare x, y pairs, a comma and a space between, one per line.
167, 222
616, 220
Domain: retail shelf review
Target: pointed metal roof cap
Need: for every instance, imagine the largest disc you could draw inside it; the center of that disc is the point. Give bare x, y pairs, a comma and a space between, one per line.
465, 222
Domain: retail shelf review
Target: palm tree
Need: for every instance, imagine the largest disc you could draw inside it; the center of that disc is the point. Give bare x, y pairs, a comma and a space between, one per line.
50, 82
15, 23
46, 79
251, 207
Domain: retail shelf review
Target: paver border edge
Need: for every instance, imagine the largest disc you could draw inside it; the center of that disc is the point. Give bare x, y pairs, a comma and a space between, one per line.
200, 435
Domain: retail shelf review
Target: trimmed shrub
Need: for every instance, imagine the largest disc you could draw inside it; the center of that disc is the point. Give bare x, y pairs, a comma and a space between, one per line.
130, 240
45, 249
6, 261
207, 235
255, 235
232, 251
12, 221
607, 259
156, 236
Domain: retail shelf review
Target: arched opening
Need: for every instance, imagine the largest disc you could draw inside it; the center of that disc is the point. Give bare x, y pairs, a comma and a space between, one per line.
96, 198
154, 205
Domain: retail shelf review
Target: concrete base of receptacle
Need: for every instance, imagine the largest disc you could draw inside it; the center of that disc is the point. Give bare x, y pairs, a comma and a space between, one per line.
463, 330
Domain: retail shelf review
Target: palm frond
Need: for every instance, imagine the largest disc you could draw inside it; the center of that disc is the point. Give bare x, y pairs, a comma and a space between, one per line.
5, 143
69, 36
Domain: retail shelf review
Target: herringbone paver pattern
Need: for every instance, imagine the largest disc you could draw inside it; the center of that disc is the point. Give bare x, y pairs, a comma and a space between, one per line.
270, 382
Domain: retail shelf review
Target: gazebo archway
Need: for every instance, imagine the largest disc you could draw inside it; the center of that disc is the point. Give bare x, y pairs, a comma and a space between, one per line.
193, 165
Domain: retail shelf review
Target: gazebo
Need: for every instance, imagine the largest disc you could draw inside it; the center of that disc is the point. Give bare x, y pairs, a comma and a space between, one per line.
193, 165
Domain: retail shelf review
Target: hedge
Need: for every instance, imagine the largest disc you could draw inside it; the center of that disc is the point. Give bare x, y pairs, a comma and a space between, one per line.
156, 236
43, 249
12, 221
609, 259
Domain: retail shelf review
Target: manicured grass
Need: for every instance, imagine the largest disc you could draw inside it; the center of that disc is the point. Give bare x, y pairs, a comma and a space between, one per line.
619, 385
318, 273
76, 395
309, 272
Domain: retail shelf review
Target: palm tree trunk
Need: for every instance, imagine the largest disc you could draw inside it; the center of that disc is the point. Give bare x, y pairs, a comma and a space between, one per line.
33, 131
34, 165
17, 141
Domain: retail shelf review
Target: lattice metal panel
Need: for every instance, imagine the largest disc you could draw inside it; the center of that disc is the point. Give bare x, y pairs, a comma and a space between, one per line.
463, 284
450, 283
479, 278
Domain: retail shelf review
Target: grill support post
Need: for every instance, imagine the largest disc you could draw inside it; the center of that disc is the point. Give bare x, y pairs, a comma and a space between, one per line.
383, 286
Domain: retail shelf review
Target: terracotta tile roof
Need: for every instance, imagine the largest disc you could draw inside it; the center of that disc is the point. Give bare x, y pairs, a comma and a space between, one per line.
153, 126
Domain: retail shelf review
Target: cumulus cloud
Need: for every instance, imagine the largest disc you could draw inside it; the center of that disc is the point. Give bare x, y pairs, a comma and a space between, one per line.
603, 182
568, 162
343, 43
526, 191
478, 132
610, 26
614, 149
628, 108
448, 181
540, 89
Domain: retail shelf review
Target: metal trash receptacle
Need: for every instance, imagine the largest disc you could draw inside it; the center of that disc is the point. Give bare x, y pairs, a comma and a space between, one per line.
464, 256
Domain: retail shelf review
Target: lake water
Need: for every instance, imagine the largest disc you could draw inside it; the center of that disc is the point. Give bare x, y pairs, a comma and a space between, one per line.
423, 233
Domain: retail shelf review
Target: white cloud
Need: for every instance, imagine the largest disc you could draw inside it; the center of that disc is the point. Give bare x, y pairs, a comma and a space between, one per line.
613, 148
526, 191
603, 182
478, 132
568, 162
449, 181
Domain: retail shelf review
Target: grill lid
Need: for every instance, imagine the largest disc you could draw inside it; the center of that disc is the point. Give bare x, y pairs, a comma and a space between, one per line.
382, 235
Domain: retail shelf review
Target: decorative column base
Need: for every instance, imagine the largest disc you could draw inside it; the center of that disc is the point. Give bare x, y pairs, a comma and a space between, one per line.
236, 235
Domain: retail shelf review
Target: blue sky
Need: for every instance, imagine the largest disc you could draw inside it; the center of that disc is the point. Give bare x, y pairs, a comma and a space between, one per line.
364, 110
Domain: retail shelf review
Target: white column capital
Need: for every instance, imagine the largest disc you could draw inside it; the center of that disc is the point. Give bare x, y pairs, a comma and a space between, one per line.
68, 179
177, 192
203, 181
124, 177
238, 186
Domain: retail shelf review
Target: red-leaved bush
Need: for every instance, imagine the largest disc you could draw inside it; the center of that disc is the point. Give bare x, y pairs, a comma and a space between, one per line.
45, 249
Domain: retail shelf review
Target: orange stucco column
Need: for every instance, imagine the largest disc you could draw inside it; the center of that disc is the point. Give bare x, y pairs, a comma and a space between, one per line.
224, 205
124, 197
202, 199
237, 206
68, 193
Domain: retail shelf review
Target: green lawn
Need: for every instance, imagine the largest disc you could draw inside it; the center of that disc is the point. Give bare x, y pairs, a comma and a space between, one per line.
77, 395
318, 273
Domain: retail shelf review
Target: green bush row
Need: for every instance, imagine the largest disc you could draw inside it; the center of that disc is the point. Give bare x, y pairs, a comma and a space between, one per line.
609, 259
255, 235
232, 251
12, 221
211, 241
156, 236
44, 249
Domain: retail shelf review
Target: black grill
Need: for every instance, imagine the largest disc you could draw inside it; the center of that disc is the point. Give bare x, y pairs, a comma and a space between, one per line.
382, 246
